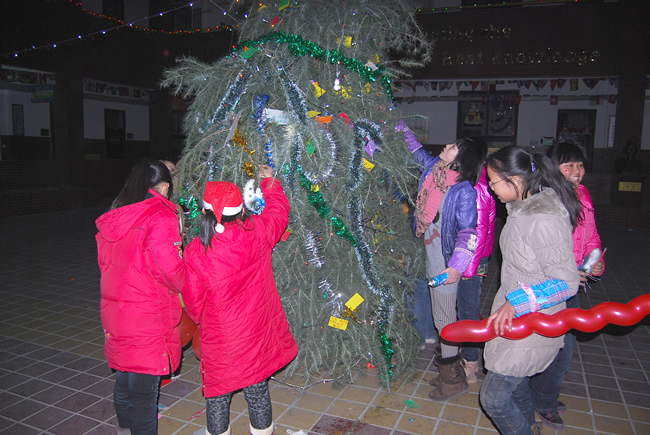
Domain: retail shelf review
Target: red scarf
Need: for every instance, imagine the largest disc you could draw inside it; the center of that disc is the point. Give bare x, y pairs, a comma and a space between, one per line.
431, 192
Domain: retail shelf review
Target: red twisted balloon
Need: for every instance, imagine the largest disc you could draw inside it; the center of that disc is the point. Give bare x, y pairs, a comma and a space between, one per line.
553, 325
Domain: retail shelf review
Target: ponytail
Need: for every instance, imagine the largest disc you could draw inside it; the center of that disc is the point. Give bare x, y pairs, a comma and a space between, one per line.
206, 228
538, 172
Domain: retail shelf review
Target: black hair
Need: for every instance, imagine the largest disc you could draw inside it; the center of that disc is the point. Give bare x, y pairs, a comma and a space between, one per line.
208, 222
565, 152
537, 171
145, 175
470, 159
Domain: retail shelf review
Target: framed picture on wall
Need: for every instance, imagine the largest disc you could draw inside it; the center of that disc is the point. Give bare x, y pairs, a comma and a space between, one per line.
489, 115
472, 118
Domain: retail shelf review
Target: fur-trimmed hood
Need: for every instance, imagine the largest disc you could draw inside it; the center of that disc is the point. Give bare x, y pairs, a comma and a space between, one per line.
545, 202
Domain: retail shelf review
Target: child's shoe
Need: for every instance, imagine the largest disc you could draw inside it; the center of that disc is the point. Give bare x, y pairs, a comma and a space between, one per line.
552, 420
267, 431
451, 381
471, 370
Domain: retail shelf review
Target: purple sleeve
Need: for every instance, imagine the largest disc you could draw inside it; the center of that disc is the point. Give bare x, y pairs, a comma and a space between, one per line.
463, 250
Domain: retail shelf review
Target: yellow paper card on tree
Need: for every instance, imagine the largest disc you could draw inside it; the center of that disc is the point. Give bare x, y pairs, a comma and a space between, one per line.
337, 323
354, 301
368, 165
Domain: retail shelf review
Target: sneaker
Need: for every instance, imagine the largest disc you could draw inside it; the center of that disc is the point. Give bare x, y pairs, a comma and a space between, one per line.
561, 407
552, 420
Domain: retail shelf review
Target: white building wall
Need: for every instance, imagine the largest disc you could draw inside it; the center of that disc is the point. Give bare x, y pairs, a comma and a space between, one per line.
537, 117
136, 119
36, 115
442, 119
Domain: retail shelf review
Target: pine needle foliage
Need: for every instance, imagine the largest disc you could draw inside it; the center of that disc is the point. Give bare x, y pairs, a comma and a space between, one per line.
349, 228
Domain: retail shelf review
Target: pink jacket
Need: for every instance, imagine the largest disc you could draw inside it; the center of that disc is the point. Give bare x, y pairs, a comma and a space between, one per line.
585, 236
484, 224
230, 290
140, 258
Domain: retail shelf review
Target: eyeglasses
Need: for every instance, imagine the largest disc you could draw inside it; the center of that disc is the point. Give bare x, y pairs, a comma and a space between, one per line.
491, 184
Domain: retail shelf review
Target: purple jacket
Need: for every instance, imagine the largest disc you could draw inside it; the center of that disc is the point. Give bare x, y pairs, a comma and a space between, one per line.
484, 226
459, 216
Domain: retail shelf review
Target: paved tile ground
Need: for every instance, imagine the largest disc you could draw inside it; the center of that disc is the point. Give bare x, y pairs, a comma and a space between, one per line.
54, 379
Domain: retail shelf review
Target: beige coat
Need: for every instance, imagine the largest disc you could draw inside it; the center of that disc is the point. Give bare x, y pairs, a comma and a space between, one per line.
537, 245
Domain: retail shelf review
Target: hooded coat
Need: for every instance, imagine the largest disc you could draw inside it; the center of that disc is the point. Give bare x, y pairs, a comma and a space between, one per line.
140, 258
230, 291
537, 245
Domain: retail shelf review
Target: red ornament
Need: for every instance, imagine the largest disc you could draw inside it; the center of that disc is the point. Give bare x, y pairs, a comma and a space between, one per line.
196, 343
187, 328
553, 325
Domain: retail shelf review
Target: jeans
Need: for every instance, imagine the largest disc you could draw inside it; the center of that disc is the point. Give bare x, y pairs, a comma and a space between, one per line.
468, 301
508, 402
136, 402
545, 386
421, 309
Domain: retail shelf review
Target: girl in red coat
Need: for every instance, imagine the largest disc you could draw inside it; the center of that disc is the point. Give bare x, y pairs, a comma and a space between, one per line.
230, 291
140, 258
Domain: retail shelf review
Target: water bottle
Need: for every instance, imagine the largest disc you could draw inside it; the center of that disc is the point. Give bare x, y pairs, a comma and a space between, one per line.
438, 279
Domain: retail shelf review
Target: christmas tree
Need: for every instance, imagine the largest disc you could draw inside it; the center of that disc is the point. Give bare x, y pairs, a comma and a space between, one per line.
307, 90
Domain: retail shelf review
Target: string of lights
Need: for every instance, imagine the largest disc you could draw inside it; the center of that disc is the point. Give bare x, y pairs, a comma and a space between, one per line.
122, 24
133, 23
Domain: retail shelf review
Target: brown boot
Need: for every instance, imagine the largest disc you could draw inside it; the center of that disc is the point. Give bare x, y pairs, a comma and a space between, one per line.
435, 381
452, 381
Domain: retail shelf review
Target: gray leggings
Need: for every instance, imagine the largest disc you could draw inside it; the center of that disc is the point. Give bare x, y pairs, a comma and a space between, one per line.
259, 408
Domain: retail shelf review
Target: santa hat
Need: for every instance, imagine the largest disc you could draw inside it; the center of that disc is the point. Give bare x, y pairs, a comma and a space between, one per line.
224, 199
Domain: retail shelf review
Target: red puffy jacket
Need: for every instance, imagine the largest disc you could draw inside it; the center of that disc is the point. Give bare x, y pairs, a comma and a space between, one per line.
230, 290
140, 258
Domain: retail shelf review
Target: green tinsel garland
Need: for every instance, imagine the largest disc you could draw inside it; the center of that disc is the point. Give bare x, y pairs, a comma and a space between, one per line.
318, 202
300, 47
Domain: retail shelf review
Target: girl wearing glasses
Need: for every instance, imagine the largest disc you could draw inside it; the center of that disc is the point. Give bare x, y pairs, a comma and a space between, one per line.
538, 273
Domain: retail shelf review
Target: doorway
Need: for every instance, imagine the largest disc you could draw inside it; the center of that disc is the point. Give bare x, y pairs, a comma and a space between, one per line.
115, 133
578, 126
